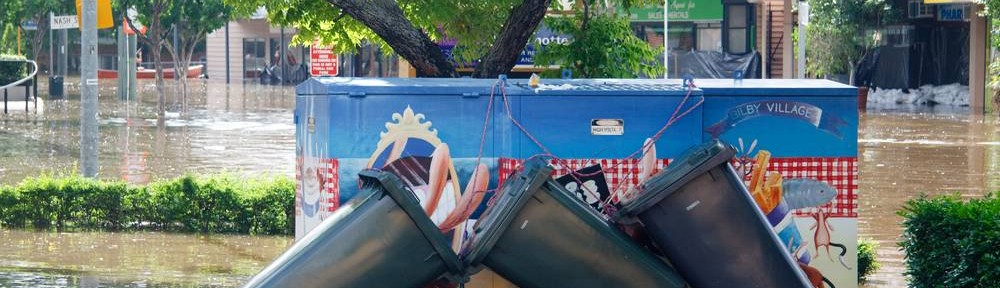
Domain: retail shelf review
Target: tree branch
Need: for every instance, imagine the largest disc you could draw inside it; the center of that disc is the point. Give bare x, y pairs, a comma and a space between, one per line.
520, 26
386, 19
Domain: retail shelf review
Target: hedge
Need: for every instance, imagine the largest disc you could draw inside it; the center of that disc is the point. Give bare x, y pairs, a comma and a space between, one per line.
12, 68
206, 204
952, 243
868, 263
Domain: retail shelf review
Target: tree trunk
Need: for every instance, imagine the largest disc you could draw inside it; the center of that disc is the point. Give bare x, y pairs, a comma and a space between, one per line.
506, 49
386, 19
38, 38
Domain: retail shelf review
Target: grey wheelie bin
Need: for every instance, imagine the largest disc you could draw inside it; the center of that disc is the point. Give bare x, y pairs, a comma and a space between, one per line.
699, 213
538, 235
382, 238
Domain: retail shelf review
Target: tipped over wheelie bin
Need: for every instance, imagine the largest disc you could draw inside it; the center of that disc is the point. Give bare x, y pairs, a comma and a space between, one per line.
699, 213
382, 238
538, 235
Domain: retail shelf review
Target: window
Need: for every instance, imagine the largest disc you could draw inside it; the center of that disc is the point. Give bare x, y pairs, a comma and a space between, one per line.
737, 28
709, 37
254, 57
917, 9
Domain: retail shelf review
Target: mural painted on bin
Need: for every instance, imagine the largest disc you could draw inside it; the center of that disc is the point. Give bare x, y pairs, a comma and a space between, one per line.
410, 148
798, 195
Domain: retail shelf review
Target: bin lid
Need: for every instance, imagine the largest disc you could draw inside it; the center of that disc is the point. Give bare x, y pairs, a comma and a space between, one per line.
394, 187
401, 86
494, 221
606, 87
776, 87
693, 162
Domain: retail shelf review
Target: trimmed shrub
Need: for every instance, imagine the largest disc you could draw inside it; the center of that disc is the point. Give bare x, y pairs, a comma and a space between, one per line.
867, 259
213, 204
12, 68
952, 243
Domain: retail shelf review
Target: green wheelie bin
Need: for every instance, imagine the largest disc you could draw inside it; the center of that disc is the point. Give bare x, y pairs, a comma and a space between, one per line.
699, 213
536, 234
382, 238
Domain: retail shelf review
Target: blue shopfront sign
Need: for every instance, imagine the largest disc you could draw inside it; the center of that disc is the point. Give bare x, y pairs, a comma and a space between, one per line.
544, 37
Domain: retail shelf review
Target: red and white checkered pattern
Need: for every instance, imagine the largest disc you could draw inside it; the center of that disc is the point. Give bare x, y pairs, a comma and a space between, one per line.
839, 172
616, 171
331, 186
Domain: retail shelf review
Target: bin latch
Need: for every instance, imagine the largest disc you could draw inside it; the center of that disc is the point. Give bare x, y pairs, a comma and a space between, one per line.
356, 94
470, 95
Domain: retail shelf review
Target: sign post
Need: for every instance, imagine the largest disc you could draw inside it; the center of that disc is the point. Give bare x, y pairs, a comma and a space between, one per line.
323, 61
88, 89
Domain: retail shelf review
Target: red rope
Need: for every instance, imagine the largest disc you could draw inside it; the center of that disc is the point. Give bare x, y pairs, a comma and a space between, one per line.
645, 148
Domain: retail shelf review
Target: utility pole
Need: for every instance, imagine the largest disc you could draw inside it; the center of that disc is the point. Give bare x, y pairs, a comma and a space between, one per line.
88, 90
666, 35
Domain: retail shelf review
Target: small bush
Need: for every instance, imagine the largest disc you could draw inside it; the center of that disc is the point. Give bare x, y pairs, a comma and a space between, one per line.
952, 243
867, 259
214, 204
12, 68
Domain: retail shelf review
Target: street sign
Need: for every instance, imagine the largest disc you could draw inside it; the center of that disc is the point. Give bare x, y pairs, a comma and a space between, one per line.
953, 12
104, 18
29, 25
323, 61
64, 22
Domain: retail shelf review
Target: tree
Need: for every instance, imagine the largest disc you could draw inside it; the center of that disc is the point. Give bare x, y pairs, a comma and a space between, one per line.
602, 45
192, 20
991, 10
16, 13
841, 33
151, 13
491, 33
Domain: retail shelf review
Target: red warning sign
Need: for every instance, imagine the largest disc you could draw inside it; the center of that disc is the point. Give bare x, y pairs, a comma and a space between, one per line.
323, 60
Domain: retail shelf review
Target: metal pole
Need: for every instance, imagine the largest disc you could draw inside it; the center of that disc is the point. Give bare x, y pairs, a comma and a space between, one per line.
88, 96
63, 54
666, 44
122, 64
177, 71
227, 53
803, 16
51, 55
282, 61
132, 65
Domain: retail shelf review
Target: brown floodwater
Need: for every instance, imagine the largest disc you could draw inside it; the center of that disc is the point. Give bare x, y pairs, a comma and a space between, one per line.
248, 129
237, 128
905, 154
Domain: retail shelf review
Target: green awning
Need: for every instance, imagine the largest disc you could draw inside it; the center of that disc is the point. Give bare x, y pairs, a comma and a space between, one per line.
681, 11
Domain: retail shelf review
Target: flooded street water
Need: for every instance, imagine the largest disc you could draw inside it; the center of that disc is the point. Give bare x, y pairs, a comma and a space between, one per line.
240, 129
248, 129
245, 129
904, 154
141, 259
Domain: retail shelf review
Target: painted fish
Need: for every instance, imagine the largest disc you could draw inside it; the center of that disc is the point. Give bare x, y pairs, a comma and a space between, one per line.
802, 193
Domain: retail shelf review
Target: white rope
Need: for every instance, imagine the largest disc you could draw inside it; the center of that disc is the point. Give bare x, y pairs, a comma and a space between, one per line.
18, 82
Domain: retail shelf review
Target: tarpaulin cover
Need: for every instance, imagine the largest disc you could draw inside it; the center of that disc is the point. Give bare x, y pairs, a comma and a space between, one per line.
716, 65
939, 55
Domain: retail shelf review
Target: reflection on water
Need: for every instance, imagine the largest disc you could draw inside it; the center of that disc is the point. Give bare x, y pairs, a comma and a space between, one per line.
904, 154
141, 259
239, 128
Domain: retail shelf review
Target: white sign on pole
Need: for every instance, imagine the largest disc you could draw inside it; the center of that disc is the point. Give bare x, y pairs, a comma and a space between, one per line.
64, 22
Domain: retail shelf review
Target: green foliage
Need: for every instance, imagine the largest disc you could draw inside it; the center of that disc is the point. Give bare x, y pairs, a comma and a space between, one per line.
476, 23
868, 262
215, 204
602, 45
12, 68
842, 32
950, 242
